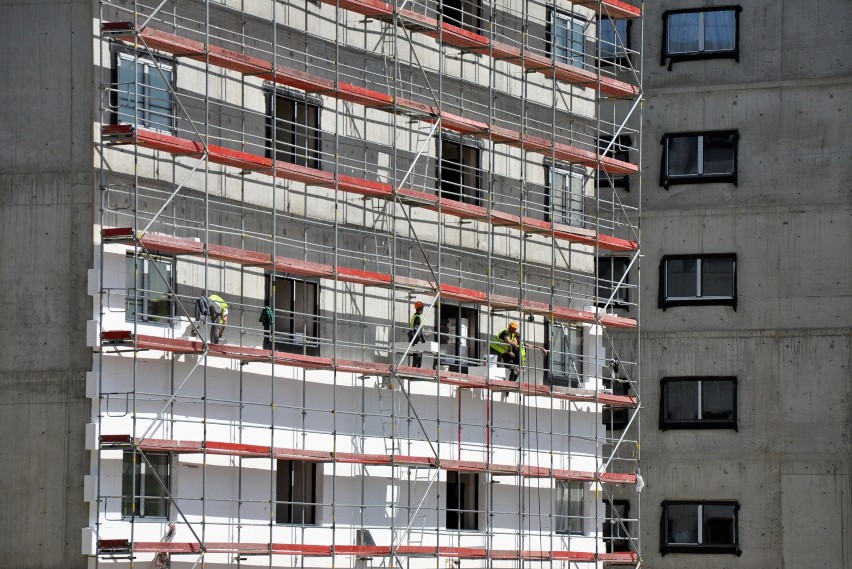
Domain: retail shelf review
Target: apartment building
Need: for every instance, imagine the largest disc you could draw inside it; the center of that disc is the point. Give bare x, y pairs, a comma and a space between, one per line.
217, 219
746, 288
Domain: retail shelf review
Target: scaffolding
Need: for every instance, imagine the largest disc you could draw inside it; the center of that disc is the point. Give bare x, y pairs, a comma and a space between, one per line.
310, 170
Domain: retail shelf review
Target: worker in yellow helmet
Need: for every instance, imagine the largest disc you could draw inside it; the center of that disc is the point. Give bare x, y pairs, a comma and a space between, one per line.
511, 350
417, 333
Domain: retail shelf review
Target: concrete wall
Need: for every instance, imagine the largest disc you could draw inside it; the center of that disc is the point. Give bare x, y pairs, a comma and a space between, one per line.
788, 341
46, 214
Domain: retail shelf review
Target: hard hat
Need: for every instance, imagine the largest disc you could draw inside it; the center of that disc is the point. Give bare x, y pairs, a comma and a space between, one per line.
418, 305
513, 325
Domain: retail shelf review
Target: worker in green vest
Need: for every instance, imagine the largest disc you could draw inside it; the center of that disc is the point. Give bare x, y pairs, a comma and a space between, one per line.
511, 350
416, 334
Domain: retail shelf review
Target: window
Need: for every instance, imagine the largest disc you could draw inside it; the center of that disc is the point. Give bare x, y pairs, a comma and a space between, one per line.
297, 133
611, 271
568, 38
565, 197
462, 500
617, 526
620, 150
150, 299
698, 403
296, 306
565, 360
143, 94
458, 178
465, 14
698, 279
614, 37
459, 330
699, 158
295, 488
700, 34
568, 516
616, 419
699, 527
144, 484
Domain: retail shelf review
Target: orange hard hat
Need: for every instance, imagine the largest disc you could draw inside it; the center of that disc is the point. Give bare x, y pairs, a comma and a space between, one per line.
418, 305
513, 325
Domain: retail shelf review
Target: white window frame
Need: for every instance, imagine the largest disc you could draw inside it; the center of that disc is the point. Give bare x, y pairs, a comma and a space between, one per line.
572, 192
574, 50
144, 296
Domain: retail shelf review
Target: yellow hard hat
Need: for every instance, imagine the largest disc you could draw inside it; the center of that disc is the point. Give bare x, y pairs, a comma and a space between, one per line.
513, 325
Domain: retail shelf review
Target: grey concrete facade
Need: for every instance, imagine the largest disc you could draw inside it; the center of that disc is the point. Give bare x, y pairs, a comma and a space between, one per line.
47, 195
787, 464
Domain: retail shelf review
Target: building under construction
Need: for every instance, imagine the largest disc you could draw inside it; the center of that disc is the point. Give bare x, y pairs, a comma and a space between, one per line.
268, 189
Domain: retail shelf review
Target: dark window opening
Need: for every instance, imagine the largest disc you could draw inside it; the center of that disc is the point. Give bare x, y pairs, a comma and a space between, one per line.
459, 330
297, 131
620, 150
611, 272
616, 419
144, 485
616, 530
466, 14
568, 517
296, 306
564, 362
295, 486
699, 527
698, 280
698, 403
459, 177
462, 500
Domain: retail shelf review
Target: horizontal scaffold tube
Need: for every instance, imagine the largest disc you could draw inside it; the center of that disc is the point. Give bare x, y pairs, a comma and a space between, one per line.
241, 353
128, 134
115, 546
182, 246
259, 451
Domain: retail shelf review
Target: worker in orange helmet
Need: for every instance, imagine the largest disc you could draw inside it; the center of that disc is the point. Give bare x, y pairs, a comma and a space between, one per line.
416, 334
511, 350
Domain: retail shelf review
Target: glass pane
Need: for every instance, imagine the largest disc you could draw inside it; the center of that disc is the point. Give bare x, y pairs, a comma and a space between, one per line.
284, 310
155, 482
719, 154
717, 400
159, 276
718, 525
285, 115
681, 278
560, 39
682, 156
566, 198
720, 30
682, 523
568, 507
578, 42
127, 92
681, 400
159, 98
451, 170
302, 492
683, 33
470, 174
612, 44
717, 278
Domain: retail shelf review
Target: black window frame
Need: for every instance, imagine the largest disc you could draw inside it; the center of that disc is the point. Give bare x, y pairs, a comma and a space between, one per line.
560, 377
120, 53
664, 302
550, 38
458, 190
666, 546
457, 516
667, 179
616, 418
702, 422
617, 59
286, 151
145, 295
622, 298
311, 344
570, 522
141, 479
289, 506
455, 312
575, 217
620, 150
671, 58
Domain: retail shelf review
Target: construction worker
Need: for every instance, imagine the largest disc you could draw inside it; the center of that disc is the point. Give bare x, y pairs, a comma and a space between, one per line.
212, 309
511, 350
416, 333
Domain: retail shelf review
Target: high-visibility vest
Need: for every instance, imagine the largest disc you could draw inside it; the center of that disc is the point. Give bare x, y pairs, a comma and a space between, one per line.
413, 316
221, 302
498, 345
